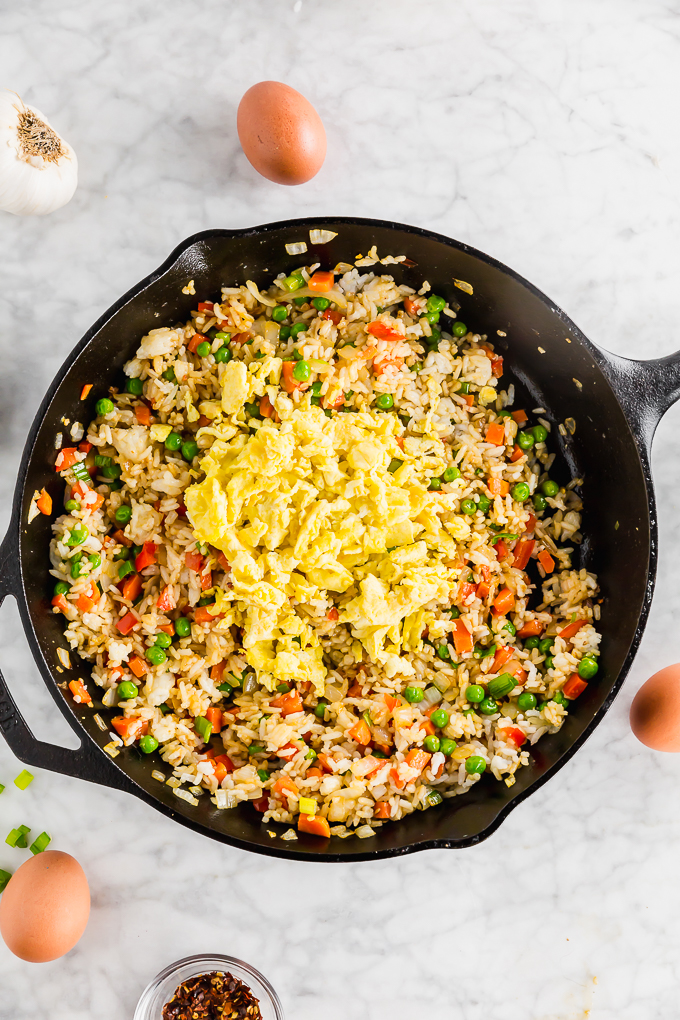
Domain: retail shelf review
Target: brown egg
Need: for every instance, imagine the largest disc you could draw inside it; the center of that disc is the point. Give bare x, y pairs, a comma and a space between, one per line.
45, 907
655, 712
281, 133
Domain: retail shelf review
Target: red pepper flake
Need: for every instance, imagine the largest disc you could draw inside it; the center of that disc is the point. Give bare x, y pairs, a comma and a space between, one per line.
212, 996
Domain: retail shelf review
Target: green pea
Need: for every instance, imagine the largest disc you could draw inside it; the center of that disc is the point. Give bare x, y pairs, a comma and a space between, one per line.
320, 709
539, 502
544, 645
559, 698
163, 640
123, 514
61, 588
450, 473
433, 339
77, 536
169, 375
587, 667
526, 701
524, 440
435, 484
454, 612
440, 718
436, 303
531, 642
474, 694
464, 387
299, 327
223, 355
294, 281
549, 662
262, 775
540, 433
483, 503
95, 559
488, 706
447, 746
71, 504
279, 313
414, 694
156, 655
474, 765
432, 744
520, 492
459, 329
444, 653
302, 371
221, 335
549, 488
76, 569
510, 627
112, 471
148, 744
468, 506
252, 410
135, 387
385, 402
501, 685
320, 303
394, 465
284, 333
104, 406
256, 748
203, 349
127, 690
189, 449
183, 627
432, 317
125, 568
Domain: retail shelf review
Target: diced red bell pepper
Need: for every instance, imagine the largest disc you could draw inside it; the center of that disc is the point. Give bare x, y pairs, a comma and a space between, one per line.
225, 760
497, 367
214, 717
206, 580
381, 331
66, 458
84, 446
261, 804
205, 306
147, 556
132, 587
126, 623
217, 671
44, 502
289, 703
334, 316
361, 733
85, 392
194, 560
197, 338
166, 601
571, 629
546, 561
143, 414
462, 638
574, 686
532, 628
501, 549
411, 307
504, 602
222, 560
522, 553
515, 734
203, 615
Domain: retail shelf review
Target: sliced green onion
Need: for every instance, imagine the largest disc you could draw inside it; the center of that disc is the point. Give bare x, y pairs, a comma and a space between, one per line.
40, 843
203, 727
2, 788
80, 471
504, 535
24, 779
4, 879
367, 718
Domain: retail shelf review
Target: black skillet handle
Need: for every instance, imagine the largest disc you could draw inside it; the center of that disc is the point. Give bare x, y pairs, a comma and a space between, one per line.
646, 390
87, 761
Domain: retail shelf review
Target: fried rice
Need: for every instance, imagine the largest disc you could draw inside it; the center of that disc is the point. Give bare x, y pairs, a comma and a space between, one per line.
463, 684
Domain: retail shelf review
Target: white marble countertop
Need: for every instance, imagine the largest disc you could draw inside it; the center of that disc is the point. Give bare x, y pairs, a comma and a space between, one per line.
546, 135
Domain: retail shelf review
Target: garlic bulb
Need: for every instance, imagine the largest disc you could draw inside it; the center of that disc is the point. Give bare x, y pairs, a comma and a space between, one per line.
38, 169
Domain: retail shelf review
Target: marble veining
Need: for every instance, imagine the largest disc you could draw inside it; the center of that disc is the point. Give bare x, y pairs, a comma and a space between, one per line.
544, 134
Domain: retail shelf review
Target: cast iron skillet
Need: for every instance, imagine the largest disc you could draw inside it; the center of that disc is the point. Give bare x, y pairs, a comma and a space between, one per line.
616, 405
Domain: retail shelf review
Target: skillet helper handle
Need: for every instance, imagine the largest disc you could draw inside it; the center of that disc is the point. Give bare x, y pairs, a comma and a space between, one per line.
86, 762
646, 390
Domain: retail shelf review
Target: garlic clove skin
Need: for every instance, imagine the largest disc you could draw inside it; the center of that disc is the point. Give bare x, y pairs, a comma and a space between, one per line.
38, 168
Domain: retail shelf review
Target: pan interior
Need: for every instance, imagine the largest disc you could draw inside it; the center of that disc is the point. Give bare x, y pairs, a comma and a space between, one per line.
552, 366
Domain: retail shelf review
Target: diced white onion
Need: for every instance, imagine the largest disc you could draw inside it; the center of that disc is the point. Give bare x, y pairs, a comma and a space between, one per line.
321, 236
254, 290
111, 749
365, 832
156, 774
298, 248
188, 797
64, 658
100, 722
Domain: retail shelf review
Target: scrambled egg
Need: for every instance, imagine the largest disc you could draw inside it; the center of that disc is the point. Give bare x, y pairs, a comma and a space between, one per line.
306, 509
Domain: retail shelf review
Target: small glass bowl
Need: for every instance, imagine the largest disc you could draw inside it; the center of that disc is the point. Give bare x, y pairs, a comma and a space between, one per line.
162, 988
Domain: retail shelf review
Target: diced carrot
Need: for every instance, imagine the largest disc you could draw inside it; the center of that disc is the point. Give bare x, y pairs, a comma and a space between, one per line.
219, 771
122, 538
332, 614
513, 733
143, 414
203, 421
335, 317
86, 603
61, 603
222, 560
501, 549
498, 486
85, 392
127, 622
516, 453
483, 589
304, 687
367, 766
203, 615
288, 380
394, 776
130, 728
502, 655
574, 686
531, 523
469, 398
321, 282
266, 407
497, 367
205, 306
400, 442
514, 668
361, 732
522, 553
571, 629
520, 417
241, 338
462, 638
224, 759
411, 307
44, 502
546, 561
354, 690
381, 331
495, 433
333, 405
504, 602
428, 727
147, 556
137, 665
217, 671
314, 824
84, 446
285, 785
532, 628
417, 759
314, 774
132, 587
194, 560
214, 717
66, 458
206, 580
382, 809
390, 702
465, 589
80, 693
166, 601
197, 338
324, 761
168, 628
289, 703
